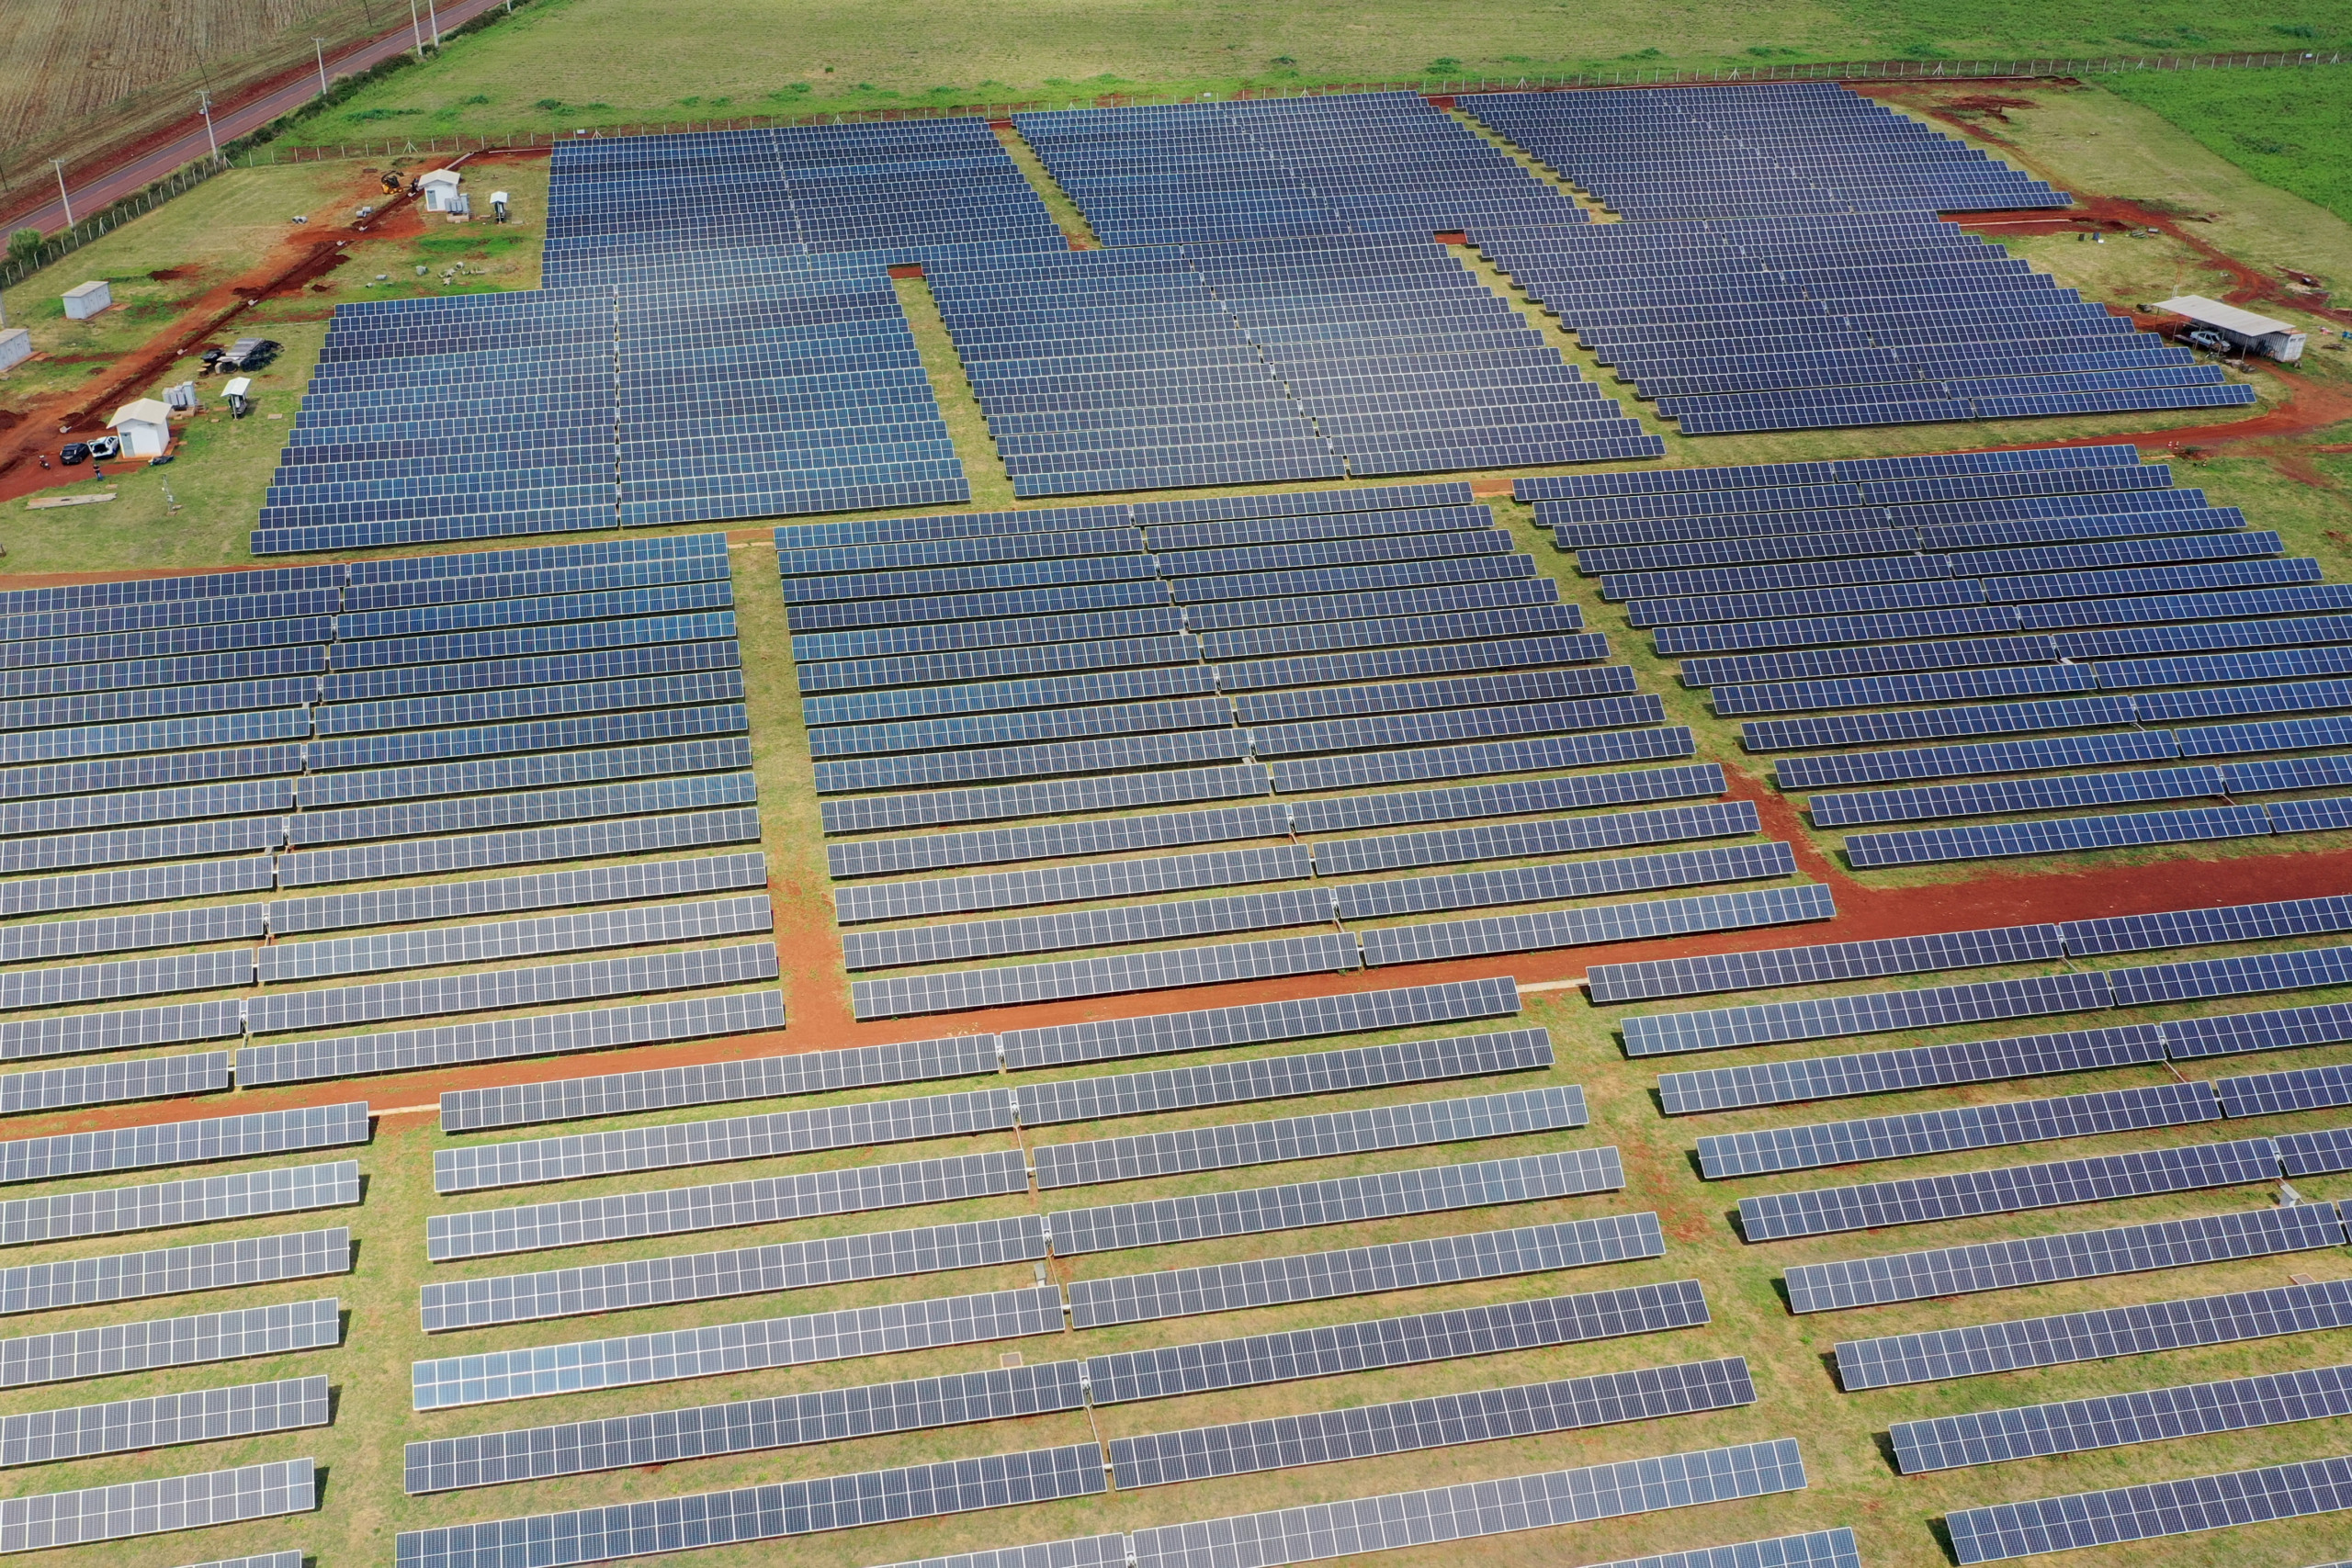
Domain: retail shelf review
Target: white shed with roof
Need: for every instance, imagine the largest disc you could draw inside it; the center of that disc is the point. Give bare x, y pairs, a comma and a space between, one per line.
2254, 334
144, 428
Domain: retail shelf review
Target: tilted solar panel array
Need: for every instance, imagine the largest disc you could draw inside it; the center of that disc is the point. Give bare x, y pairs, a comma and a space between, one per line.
2099, 619
956, 670
718, 337
1804, 215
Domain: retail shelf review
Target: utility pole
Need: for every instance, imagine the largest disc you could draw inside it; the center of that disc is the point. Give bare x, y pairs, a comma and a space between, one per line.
64, 200
320, 46
416, 30
435, 17
204, 108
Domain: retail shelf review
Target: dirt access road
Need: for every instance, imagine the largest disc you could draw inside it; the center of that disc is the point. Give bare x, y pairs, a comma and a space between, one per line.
132, 168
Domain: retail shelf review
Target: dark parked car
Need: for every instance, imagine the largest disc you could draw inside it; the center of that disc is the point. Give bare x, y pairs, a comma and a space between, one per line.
74, 452
248, 354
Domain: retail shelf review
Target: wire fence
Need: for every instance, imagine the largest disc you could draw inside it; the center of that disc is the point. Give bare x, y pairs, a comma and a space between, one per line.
65, 241
1434, 87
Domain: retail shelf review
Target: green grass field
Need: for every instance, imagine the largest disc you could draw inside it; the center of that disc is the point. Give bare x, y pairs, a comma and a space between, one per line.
2292, 129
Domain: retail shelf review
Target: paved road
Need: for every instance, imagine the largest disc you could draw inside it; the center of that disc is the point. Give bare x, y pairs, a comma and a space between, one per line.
93, 192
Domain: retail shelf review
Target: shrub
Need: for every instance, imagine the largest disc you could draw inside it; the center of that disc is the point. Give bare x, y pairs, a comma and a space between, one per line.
23, 243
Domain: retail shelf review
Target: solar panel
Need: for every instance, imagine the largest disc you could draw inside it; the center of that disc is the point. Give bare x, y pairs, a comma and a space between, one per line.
1055, 797
1158, 1459
110, 1210
1055, 885
183, 1143
205, 1265
1957, 1127
501, 1039
2093, 1336
1477, 1508
1282, 1357
1051, 840
1260, 1023
1363, 1271
1917, 1066
147, 1507
490, 1458
163, 1420
1154, 1221
2248, 976
1155, 969
510, 895
280, 1012
2078, 1255
2280, 1029
2149, 1510
580, 1155
1515, 798
1869, 1013
2037, 1431
80, 1353
27, 1038
1607, 922
1829, 961
534, 1371
710, 1276
2011, 1190
1275, 1077
1547, 836
2192, 928
764, 1201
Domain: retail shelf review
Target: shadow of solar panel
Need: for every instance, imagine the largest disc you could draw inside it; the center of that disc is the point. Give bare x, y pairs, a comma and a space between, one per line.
25, 1039
1919, 1066
2037, 1431
169, 1342
183, 1143
532, 1373
765, 1077
2149, 1511
165, 1420
2229, 1033
1363, 1271
490, 1458
580, 1154
686, 1018
2011, 1190
711, 1275
2094, 1335
770, 1512
1479, 1509
767, 1199
1547, 836
1275, 1077
1318, 1136
1873, 1012
1393, 1341
205, 1265
631, 975
1328, 1437
148, 1507
2232, 977
1959, 1127
110, 1210
1052, 885
1829, 961
2078, 1255
1158, 969
1607, 922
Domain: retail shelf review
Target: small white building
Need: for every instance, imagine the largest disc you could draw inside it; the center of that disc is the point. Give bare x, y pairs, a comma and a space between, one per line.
87, 301
144, 428
440, 189
2253, 334
15, 346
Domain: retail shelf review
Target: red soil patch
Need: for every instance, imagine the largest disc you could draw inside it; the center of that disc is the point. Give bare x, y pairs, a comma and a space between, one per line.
287, 272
